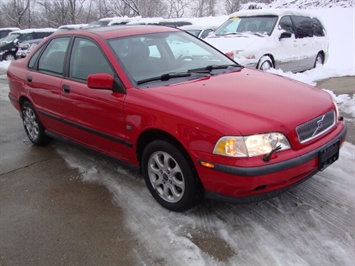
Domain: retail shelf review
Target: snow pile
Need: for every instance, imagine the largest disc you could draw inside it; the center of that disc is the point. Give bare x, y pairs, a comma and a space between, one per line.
4, 65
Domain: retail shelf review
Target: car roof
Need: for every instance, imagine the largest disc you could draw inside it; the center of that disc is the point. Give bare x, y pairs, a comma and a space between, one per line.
271, 11
34, 30
120, 30
10, 28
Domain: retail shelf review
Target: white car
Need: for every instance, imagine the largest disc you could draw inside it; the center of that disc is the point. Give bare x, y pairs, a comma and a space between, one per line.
291, 40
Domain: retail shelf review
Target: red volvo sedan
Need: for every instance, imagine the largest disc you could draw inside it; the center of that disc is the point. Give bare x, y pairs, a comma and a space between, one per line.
192, 120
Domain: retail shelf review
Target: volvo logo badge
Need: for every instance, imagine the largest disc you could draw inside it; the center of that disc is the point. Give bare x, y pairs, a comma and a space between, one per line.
319, 126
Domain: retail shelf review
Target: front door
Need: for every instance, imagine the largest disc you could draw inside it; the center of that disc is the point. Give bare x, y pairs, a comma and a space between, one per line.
93, 117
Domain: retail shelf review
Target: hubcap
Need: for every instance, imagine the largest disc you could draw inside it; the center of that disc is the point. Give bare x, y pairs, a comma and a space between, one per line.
30, 123
166, 176
9, 57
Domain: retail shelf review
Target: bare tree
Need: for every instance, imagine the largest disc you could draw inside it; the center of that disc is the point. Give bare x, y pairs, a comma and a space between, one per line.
232, 6
177, 8
75, 8
15, 12
204, 8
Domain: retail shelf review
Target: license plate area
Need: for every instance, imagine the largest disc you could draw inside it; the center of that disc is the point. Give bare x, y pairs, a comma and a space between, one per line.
328, 155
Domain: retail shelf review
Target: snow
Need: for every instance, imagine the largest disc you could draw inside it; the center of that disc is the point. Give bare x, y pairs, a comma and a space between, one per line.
308, 225
34, 30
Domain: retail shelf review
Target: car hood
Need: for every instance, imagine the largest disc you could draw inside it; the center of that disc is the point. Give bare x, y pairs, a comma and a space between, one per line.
246, 102
230, 43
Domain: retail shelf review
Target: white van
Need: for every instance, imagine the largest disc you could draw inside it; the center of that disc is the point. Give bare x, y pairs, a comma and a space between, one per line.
291, 40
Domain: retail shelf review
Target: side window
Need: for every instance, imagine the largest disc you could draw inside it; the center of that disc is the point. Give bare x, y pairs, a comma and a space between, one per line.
303, 26
318, 29
41, 35
87, 58
286, 24
25, 37
52, 59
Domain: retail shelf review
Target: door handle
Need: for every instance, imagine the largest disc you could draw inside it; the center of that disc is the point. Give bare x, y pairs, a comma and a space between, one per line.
29, 78
66, 88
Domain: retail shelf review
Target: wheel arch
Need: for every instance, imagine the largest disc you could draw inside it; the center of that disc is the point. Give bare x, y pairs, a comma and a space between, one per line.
321, 52
155, 134
22, 100
268, 55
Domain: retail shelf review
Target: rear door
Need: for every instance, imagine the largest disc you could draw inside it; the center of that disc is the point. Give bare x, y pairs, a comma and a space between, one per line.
304, 37
44, 81
288, 50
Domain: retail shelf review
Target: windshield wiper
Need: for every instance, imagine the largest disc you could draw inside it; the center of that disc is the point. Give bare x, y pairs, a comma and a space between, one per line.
165, 77
209, 68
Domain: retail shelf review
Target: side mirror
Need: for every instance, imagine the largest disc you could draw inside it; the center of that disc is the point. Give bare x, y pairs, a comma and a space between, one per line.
100, 81
285, 35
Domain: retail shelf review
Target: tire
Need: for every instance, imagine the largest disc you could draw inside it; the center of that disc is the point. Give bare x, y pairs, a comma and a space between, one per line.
9, 57
319, 60
169, 177
33, 126
265, 63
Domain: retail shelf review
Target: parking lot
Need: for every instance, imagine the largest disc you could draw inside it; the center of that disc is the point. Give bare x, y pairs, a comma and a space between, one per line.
62, 206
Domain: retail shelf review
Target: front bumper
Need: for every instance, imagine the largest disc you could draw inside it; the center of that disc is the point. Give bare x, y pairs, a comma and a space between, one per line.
249, 184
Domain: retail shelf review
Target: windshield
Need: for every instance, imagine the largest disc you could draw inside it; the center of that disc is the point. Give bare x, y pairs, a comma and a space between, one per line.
256, 24
165, 56
11, 37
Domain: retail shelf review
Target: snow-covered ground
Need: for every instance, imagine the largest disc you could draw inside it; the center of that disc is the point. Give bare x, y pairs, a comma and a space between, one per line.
313, 224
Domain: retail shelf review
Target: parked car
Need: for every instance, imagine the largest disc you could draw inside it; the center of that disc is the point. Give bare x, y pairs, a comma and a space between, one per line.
9, 44
71, 27
291, 40
165, 103
5, 31
24, 48
160, 21
199, 31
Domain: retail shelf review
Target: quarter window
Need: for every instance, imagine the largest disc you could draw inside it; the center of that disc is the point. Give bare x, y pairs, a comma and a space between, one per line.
52, 59
32, 63
318, 29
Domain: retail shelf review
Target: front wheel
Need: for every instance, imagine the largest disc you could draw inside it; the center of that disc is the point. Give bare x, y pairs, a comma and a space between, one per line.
169, 177
9, 57
33, 126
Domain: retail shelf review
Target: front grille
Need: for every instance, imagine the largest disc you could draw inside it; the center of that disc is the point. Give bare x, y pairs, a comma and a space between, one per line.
315, 127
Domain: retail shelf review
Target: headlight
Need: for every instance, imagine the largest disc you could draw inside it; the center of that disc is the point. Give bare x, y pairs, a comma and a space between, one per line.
251, 146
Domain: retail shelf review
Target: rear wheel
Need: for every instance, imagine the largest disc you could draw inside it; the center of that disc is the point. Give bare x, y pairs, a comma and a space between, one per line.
319, 60
33, 126
169, 177
265, 63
